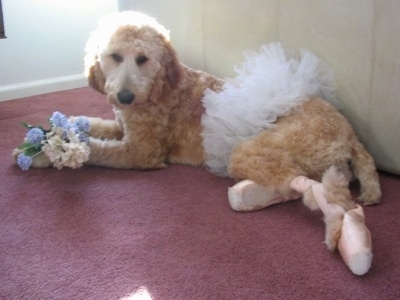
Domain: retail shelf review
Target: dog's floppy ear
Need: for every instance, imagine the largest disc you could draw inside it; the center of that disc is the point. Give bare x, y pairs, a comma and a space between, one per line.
93, 71
94, 75
173, 68
169, 75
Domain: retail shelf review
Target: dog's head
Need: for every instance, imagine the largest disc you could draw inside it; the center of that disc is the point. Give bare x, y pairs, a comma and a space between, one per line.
129, 58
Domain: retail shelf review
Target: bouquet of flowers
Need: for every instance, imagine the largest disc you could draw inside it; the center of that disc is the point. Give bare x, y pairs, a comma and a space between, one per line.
66, 143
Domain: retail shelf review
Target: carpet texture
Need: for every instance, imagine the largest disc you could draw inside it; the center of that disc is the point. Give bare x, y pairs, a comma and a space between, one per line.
96, 233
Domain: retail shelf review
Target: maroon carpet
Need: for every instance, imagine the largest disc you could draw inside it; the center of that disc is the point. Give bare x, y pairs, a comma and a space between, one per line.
97, 233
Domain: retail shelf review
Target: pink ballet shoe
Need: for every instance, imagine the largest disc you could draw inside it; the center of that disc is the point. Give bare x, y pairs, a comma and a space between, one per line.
248, 196
355, 245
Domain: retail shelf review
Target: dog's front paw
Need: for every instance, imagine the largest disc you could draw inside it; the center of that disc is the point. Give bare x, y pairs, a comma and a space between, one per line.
38, 161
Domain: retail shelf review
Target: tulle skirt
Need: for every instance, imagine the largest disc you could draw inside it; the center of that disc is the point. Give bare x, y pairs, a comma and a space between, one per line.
268, 85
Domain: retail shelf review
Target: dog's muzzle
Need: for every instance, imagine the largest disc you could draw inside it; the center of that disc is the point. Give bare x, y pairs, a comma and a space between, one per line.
125, 97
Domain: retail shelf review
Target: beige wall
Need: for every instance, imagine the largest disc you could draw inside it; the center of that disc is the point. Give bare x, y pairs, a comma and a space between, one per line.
360, 39
44, 48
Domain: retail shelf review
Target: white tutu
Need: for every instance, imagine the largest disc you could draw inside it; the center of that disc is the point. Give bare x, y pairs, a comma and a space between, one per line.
268, 85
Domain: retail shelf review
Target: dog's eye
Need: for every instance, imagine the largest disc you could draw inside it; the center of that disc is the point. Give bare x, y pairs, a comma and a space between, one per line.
116, 57
141, 60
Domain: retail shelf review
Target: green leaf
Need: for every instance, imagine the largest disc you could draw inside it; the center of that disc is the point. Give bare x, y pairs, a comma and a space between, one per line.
32, 151
25, 145
26, 125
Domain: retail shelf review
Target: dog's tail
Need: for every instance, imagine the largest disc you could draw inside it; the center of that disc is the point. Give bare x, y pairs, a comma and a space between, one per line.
364, 169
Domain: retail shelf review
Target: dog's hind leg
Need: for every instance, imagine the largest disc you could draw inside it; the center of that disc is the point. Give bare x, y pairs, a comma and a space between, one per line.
267, 175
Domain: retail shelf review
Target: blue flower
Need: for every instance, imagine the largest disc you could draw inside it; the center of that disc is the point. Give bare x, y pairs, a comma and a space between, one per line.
59, 120
82, 124
83, 137
35, 136
24, 161
71, 126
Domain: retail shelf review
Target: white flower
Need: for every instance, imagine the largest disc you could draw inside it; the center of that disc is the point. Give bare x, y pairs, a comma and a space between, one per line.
65, 153
75, 154
53, 145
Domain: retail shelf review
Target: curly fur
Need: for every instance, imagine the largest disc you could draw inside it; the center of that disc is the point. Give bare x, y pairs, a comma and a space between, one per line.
163, 122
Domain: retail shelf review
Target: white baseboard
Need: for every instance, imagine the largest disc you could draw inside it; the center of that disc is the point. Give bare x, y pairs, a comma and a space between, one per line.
32, 88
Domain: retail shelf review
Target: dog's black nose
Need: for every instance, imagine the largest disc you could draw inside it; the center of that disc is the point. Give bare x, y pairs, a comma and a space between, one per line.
125, 97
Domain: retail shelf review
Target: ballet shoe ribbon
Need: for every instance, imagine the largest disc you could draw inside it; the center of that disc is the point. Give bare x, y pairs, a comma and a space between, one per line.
301, 184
